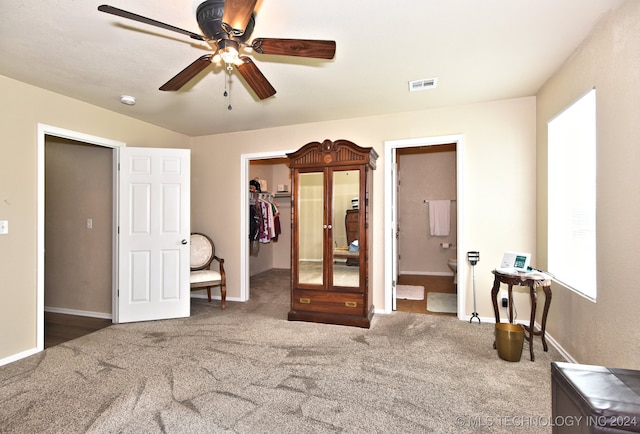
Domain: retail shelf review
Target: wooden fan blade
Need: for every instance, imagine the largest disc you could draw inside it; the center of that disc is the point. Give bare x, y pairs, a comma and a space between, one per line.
187, 73
237, 14
315, 49
255, 79
124, 14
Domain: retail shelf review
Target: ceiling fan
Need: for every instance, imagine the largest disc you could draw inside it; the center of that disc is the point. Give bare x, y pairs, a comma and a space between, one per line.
227, 25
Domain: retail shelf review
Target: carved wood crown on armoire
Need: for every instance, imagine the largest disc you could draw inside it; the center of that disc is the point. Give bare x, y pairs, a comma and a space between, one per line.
330, 247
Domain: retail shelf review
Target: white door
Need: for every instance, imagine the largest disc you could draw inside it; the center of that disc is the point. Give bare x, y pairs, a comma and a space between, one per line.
154, 232
394, 228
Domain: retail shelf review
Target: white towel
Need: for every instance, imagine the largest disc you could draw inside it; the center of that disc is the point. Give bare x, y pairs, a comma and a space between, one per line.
439, 217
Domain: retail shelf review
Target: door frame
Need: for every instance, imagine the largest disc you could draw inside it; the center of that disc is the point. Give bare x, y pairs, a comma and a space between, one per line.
48, 130
390, 226
245, 160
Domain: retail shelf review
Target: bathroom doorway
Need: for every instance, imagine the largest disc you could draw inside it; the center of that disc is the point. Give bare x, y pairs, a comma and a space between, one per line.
437, 267
426, 281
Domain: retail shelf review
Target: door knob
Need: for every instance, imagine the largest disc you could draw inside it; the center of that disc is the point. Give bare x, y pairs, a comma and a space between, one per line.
184, 241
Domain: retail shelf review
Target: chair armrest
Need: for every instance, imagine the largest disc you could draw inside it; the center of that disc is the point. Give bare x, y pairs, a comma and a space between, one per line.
222, 272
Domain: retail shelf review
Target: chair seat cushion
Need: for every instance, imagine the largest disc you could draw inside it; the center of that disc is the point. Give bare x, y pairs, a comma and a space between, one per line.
201, 276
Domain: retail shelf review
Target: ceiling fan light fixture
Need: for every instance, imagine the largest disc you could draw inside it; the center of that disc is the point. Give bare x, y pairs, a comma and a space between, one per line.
229, 55
228, 50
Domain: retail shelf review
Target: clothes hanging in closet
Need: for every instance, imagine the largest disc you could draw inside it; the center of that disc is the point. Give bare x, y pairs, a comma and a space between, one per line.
264, 225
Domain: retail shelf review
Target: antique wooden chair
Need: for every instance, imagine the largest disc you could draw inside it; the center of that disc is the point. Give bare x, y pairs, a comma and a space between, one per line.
203, 275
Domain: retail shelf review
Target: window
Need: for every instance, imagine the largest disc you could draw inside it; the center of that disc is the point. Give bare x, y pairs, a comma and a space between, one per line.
572, 196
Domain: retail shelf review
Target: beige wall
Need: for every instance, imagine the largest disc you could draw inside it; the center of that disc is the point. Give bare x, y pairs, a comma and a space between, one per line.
497, 191
78, 259
606, 332
424, 176
25, 106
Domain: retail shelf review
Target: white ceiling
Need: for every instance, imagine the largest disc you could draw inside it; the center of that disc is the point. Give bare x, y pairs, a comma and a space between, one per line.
480, 50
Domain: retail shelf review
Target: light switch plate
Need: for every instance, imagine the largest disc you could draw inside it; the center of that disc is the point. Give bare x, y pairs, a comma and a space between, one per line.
4, 227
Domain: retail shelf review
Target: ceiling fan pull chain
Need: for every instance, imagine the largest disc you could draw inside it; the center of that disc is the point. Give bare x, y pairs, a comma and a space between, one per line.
229, 69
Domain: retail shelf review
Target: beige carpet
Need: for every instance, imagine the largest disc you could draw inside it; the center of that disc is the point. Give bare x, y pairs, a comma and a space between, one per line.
410, 292
248, 370
441, 302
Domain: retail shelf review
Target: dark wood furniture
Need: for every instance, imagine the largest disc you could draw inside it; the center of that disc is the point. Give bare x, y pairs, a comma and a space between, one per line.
325, 178
533, 281
594, 399
351, 223
203, 275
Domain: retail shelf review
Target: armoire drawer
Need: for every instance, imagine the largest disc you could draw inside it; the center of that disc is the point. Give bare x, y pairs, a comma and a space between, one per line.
329, 301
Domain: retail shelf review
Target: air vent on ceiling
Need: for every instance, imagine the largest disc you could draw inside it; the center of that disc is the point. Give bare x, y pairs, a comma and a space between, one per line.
424, 84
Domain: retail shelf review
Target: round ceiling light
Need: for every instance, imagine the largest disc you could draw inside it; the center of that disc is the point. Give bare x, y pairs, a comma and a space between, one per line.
128, 99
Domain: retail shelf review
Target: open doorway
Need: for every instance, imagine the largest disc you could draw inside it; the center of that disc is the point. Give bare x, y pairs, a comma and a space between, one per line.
426, 282
48, 133
269, 256
78, 226
273, 176
391, 209
271, 167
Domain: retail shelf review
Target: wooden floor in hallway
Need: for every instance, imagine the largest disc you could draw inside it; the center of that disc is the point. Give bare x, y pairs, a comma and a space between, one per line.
59, 328
431, 284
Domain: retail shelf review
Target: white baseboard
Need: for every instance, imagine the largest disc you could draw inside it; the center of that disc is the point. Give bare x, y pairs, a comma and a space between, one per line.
78, 312
475, 320
214, 297
427, 273
558, 347
16, 357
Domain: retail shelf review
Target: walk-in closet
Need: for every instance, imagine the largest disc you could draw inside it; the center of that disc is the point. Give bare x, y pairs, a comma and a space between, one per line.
269, 255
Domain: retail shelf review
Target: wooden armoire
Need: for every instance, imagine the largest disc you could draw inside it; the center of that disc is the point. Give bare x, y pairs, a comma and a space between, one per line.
329, 266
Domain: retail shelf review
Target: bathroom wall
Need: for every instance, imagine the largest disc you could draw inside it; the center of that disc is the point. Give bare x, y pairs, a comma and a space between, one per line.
425, 173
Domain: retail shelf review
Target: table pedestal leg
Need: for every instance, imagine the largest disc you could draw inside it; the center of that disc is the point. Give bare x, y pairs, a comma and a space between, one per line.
545, 311
494, 298
532, 320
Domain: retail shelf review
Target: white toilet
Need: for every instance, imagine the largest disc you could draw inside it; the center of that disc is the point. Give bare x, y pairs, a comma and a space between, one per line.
453, 264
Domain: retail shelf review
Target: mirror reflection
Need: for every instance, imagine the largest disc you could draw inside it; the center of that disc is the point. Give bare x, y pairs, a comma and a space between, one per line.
344, 231
346, 253
310, 236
